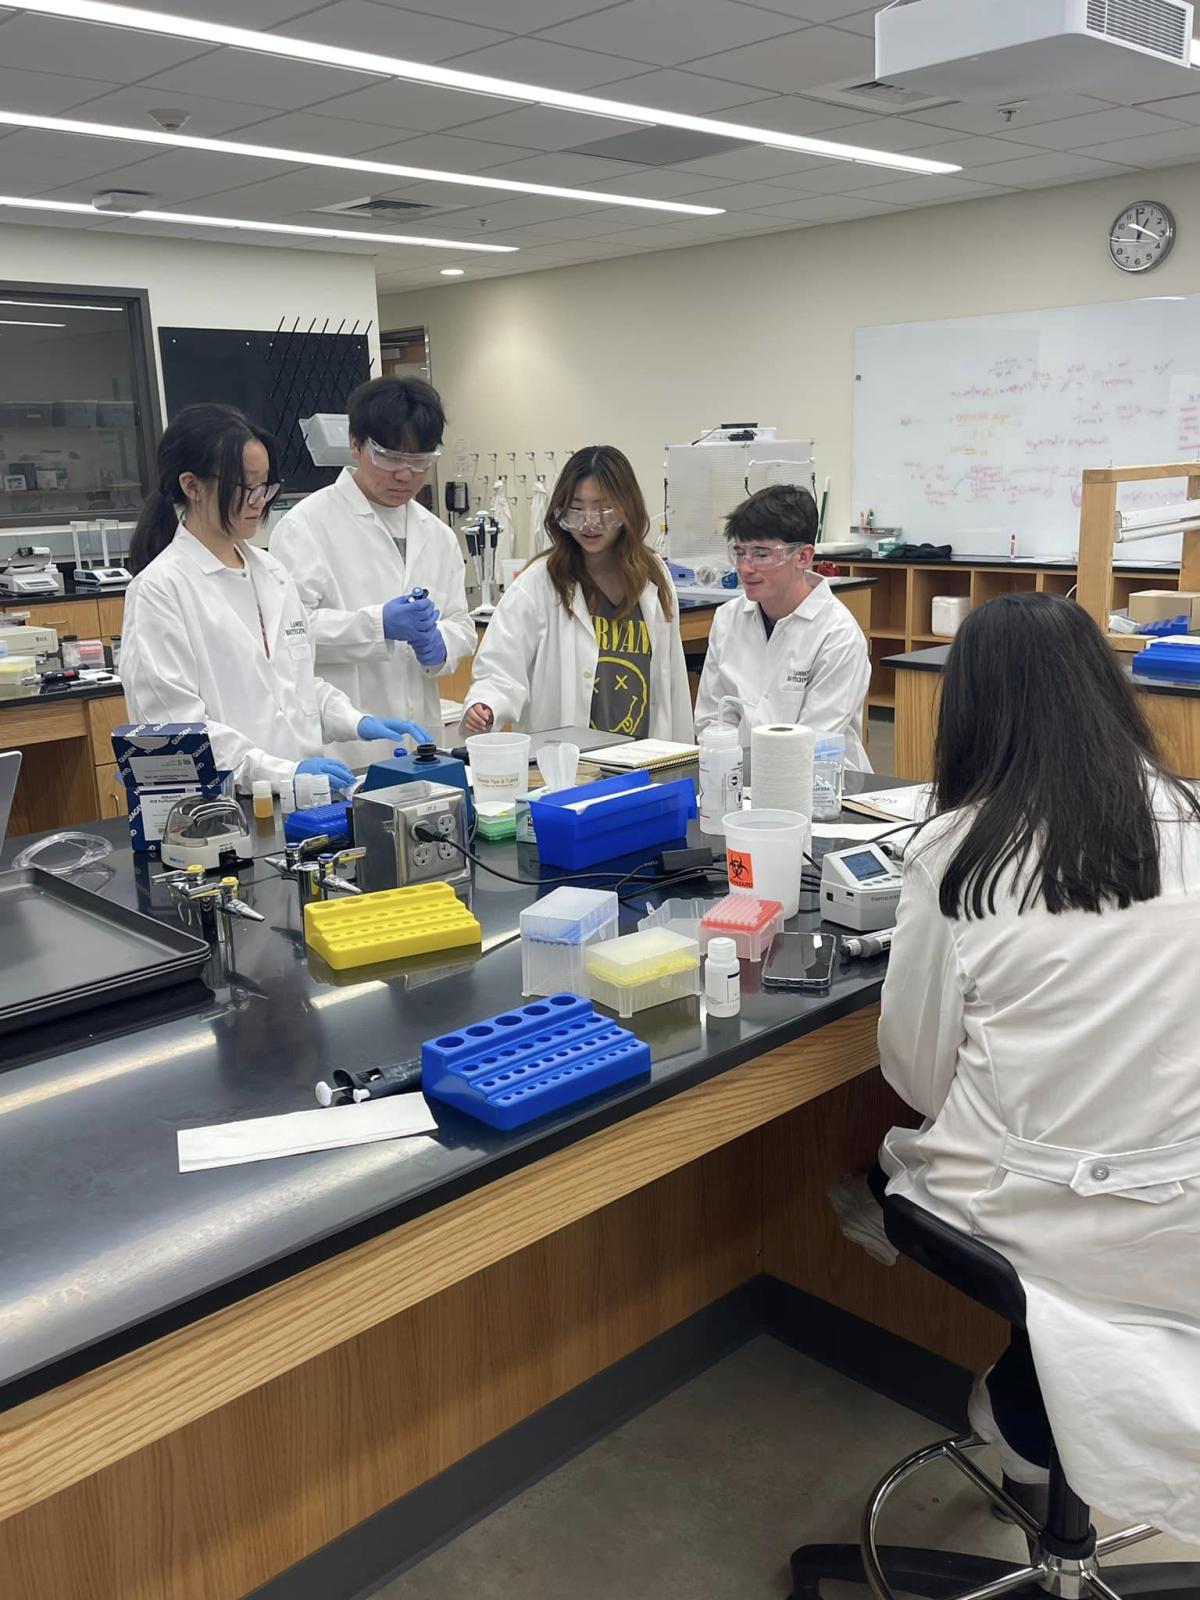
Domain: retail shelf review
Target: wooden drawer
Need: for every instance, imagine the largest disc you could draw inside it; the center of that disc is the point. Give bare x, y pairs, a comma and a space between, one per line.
103, 715
112, 613
111, 791
80, 617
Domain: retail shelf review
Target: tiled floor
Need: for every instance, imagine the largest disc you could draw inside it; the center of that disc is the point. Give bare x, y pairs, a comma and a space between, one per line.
703, 1496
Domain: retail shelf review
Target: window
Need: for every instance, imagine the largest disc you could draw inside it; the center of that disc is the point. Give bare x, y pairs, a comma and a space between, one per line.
79, 419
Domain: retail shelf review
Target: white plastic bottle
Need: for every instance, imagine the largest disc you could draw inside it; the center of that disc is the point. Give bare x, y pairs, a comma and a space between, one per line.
722, 979
720, 776
322, 794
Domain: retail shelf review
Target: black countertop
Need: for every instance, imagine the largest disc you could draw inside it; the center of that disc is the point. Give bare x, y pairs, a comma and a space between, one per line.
934, 659
18, 602
105, 1246
54, 694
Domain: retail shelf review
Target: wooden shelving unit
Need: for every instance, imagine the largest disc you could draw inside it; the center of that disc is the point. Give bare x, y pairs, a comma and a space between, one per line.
901, 602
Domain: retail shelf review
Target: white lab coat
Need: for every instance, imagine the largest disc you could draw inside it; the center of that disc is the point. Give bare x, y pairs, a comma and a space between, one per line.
536, 667
1057, 1062
346, 567
188, 656
813, 669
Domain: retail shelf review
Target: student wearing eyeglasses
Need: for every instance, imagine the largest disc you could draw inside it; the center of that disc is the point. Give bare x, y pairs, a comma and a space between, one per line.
785, 649
214, 629
358, 548
588, 635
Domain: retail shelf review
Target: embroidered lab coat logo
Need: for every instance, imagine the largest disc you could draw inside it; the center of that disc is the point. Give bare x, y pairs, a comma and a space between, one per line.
796, 678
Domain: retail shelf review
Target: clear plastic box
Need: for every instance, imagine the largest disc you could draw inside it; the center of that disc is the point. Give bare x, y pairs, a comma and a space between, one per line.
680, 916
750, 922
554, 932
643, 969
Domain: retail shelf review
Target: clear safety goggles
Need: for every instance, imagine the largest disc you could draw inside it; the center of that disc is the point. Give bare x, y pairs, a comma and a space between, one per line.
410, 461
257, 495
571, 521
761, 557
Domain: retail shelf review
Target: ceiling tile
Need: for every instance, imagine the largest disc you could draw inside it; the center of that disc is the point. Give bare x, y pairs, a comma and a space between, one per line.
861, 22
894, 134
669, 31
590, 224
43, 219
45, 94
33, 162
1158, 150
489, 215
990, 120
669, 90
811, 10
793, 113
266, 80
390, 30
264, 14
260, 194
130, 106
1180, 108
1050, 166
448, 197
513, 16
755, 164
833, 208
536, 61
445, 152
1100, 127
796, 61
73, 49
547, 128
562, 167
305, 130
176, 177
657, 183
419, 106
928, 191
979, 151
743, 196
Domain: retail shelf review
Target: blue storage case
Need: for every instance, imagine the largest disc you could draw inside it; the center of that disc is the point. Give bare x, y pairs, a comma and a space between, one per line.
652, 814
530, 1061
307, 824
1168, 658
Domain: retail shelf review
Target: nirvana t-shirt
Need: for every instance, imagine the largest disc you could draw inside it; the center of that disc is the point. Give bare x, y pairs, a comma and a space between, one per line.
621, 697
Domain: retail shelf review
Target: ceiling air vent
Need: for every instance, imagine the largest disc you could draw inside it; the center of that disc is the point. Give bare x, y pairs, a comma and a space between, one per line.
874, 95
382, 210
1158, 25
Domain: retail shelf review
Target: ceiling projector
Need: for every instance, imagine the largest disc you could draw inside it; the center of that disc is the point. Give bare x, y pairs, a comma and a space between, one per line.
998, 51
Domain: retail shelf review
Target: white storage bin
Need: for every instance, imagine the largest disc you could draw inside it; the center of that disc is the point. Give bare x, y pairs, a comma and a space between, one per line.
947, 614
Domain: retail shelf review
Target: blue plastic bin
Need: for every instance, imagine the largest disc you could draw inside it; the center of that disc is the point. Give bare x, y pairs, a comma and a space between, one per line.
1167, 658
653, 814
530, 1061
307, 824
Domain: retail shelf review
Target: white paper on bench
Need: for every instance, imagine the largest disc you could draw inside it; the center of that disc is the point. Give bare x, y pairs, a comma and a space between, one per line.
227, 1144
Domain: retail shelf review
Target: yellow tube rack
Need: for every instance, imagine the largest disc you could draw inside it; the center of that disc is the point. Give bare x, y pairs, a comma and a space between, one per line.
388, 925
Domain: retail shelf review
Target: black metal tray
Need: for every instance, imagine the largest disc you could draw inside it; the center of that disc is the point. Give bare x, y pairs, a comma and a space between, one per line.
65, 949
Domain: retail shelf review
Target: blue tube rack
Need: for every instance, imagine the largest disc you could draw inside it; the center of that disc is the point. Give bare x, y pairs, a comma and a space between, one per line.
525, 1063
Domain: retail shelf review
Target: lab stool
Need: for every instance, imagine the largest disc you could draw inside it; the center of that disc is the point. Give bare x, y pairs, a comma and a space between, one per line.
1064, 1552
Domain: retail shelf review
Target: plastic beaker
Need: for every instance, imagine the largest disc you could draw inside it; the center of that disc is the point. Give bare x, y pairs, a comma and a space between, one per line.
499, 765
764, 853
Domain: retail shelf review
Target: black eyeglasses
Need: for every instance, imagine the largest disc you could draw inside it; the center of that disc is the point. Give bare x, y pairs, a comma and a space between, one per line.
259, 494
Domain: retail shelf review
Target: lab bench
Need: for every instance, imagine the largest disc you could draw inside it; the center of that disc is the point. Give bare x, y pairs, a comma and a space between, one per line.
1172, 710
207, 1378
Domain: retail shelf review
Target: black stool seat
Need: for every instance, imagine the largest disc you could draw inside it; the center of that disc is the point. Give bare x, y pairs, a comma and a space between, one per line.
1064, 1552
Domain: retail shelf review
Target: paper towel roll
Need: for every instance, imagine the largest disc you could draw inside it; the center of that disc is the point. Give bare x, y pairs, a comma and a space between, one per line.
781, 769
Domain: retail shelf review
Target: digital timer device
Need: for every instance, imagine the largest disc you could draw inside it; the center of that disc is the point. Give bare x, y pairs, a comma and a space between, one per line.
860, 888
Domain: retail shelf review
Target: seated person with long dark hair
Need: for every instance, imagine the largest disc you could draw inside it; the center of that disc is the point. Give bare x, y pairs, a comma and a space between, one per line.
1040, 1013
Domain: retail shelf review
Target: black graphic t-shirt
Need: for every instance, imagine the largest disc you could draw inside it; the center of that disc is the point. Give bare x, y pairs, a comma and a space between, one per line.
621, 696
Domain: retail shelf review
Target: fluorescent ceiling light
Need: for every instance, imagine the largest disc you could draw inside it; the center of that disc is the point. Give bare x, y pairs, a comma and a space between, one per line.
16, 322
241, 224
1130, 526
58, 305
311, 158
452, 272
218, 33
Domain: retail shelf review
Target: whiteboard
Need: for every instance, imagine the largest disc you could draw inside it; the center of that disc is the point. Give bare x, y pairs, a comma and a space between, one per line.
970, 430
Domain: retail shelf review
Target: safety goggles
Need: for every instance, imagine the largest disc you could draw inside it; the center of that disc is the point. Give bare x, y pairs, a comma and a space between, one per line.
571, 521
410, 461
761, 557
257, 495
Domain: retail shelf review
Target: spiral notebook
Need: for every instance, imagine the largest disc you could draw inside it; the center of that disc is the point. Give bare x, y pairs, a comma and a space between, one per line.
644, 755
909, 804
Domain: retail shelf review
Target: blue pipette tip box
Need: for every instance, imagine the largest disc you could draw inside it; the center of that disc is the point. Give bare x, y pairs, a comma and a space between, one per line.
307, 824
525, 1063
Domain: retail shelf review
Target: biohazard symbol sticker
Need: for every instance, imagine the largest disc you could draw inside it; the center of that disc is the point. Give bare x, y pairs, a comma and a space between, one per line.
741, 869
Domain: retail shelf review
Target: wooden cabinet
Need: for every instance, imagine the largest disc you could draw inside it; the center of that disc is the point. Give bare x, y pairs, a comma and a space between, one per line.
111, 610
111, 791
80, 617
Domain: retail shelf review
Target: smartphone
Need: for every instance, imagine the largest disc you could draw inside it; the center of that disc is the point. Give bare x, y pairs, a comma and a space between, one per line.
801, 961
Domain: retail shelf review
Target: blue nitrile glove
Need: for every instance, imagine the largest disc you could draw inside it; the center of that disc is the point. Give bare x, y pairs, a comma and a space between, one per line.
409, 621
338, 773
431, 651
392, 728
